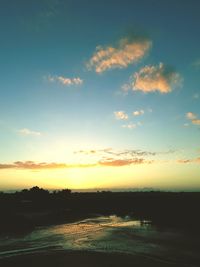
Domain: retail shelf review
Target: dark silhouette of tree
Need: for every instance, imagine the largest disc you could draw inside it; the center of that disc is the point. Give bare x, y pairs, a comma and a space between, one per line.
20, 209
64, 192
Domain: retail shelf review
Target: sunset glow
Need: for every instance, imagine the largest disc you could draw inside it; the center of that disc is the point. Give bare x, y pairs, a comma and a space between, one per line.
100, 96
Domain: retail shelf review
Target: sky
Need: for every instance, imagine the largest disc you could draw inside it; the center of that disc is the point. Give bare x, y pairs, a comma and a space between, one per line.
100, 94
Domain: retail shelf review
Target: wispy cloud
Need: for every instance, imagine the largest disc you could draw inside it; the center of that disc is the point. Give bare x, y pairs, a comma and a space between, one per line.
123, 162
116, 158
65, 81
93, 151
129, 125
152, 78
125, 53
138, 112
26, 131
185, 161
126, 88
121, 115
196, 122
193, 118
31, 165
101, 157
118, 153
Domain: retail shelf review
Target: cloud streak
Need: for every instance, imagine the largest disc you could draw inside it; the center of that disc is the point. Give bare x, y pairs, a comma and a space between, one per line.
26, 132
106, 157
125, 53
129, 125
152, 78
185, 161
31, 165
65, 81
123, 162
128, 153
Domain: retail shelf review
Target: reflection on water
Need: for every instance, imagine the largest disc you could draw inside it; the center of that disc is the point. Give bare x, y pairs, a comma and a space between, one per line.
85, 234
106, 233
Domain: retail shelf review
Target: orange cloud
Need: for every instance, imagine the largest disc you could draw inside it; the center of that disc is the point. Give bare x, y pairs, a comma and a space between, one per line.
31, 165
196, 122
193, 117
156, 78
126, 52
184, 161
105, 157
123, 162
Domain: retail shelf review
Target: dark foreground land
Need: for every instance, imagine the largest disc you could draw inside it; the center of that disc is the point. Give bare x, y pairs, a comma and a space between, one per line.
83, 259
22, 212
25, 210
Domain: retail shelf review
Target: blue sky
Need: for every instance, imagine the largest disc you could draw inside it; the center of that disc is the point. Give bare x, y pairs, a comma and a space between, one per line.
64, 65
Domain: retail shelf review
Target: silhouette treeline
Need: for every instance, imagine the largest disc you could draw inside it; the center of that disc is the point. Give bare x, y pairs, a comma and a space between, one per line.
26, 209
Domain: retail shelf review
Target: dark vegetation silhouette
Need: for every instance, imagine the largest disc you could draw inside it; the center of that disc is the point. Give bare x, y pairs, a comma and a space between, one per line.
24, 210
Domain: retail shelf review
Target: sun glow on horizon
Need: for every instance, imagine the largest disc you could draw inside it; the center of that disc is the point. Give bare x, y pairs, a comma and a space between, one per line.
107, 104
135, 176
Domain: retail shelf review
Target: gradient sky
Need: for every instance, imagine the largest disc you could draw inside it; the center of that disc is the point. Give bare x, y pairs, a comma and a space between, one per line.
100, 94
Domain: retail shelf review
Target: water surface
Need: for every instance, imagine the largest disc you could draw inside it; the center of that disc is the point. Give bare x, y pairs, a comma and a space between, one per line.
108, 234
